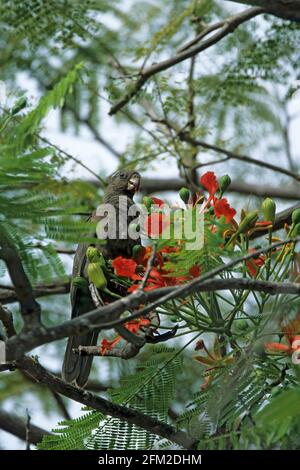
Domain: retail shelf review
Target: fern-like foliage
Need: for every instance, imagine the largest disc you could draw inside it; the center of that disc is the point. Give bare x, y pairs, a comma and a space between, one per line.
236, 393
149, 390
31, 214
55, 98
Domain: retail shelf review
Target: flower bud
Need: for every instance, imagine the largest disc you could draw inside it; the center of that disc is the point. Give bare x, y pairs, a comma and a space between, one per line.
241, 325
199, 345
96, 275
295, 232
184, 194
92, 254
248, 222
296, 216
134, 227
224, 183
147, 201
80, 282
136, 249
269, 209
19, 105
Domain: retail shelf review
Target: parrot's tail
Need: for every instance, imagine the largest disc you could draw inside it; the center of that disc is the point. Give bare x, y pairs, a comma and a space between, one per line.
76, 368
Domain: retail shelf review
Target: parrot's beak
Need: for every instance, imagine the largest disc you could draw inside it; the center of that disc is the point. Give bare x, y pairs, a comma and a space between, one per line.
133, 183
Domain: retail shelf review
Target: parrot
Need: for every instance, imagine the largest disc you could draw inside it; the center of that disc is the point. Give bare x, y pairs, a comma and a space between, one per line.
76, 368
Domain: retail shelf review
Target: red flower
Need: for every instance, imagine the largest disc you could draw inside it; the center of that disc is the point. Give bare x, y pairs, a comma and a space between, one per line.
212, 360
290, 335
195, 270
132, 326
222, 207
135, 325
157, 201
157, 280
143, 255
106, 345
124, 267
254, 264
156, 223
209, 181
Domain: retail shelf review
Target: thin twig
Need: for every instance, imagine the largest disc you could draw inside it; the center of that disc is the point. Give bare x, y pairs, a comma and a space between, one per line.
231, 24
7, 319
17, 426
149, 267
130, 415
27, 440
108, 316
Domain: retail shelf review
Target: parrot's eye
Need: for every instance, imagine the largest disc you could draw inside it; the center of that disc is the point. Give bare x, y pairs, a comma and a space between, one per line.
122, 175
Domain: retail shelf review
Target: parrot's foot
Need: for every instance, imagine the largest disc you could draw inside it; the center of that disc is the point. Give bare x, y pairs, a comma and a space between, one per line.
159, 338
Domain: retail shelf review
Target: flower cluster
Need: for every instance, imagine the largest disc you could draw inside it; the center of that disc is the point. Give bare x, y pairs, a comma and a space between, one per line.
133, 326
158, 277
291, 338
220, 204
212, 360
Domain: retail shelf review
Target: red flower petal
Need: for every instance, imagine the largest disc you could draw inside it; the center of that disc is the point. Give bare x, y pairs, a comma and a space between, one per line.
277, 347
252, 268
132, 326
106, 345
156, 223
195, 271
157, 201
209, 181
124, 267
222, 207
135, 325
290, 331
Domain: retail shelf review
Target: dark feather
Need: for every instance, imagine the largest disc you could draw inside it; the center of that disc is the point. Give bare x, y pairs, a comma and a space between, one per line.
76, 368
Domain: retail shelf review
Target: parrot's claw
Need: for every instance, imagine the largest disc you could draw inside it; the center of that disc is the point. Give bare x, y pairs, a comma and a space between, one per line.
159, 338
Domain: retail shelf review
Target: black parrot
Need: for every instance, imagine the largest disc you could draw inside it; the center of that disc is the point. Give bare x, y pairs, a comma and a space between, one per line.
76, 368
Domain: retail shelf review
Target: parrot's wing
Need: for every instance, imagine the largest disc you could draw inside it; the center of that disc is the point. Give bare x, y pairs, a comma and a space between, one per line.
76, 369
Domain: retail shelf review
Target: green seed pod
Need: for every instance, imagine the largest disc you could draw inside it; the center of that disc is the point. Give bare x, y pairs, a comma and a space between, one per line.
295, 232
269, 209
241, 325
184, 194
136, 249
248, 222
134, 227
96, 275
296, 216
147, 201
80, 283
224, 183
19, 105
94, 256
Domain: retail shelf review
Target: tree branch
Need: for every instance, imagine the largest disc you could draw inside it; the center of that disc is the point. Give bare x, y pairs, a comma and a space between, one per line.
108, 316
40, 375
7, 320
94, 132
17, 426
8, 295
230, 24
185, 136
30, 309
154, 185
235, 156
287, 9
